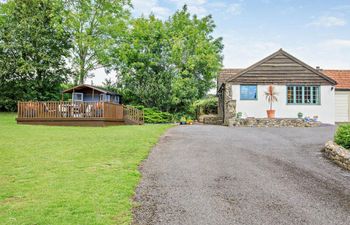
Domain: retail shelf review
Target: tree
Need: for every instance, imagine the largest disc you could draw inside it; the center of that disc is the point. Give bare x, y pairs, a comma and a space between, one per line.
143, 70
33, 47
196, 55
168, 64
97, 27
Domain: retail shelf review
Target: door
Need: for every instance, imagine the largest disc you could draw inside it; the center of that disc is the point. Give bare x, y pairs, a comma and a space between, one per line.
341, 107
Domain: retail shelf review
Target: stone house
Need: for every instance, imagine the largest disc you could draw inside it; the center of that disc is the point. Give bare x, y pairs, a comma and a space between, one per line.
299, 87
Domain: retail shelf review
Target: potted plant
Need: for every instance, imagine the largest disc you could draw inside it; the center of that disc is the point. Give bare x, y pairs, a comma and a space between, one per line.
271, 97
183, 121
300, 115
189, 122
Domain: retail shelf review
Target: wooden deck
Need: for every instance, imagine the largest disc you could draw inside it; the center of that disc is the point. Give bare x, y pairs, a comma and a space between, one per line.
61, 113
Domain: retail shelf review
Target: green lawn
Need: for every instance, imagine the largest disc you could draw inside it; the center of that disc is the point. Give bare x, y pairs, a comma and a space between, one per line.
70, 175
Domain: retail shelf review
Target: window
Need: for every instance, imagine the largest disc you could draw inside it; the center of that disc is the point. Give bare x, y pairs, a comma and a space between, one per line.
78, 97
309, 95
248, 92
102, 97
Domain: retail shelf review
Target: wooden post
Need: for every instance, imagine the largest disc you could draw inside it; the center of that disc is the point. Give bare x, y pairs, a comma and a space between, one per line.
93, 94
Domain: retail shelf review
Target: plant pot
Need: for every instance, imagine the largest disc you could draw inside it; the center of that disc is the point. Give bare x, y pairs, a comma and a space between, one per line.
271, 114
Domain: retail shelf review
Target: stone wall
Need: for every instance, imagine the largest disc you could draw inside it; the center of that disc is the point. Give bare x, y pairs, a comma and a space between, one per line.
211, 119
265, 122
338, 154
226, 106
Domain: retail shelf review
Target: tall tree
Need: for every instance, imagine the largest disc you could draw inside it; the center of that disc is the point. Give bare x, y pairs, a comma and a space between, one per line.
169, 64
97, 26
144, 73
33, 47
196, 55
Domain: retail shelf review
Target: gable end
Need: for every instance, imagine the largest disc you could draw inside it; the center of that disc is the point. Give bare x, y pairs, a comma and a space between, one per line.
281, 68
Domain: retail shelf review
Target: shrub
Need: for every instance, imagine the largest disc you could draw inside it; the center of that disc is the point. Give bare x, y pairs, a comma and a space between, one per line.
207, 105
342, 136
153, 115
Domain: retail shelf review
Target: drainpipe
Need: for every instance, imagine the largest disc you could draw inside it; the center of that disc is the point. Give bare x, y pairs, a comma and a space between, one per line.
223, 93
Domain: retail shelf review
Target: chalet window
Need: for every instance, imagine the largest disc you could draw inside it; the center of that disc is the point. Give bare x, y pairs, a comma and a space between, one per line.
309, 95
102, 97
248, 92
78, 97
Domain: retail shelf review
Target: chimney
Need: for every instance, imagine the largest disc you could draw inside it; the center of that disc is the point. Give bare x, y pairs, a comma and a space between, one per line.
318, 68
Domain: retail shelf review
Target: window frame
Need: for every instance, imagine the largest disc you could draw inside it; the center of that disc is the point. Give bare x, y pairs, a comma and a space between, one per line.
78, 93
311, 96
102, 98
248, 99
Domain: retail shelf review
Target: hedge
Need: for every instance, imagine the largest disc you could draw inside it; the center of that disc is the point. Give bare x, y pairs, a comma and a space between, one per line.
153, 115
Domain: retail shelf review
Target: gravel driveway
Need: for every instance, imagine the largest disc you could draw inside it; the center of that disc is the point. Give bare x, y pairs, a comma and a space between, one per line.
220, 175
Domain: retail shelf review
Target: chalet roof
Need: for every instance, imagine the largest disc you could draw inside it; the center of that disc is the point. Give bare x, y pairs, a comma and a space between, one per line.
236, 74
83, 86
226, 74
341, 76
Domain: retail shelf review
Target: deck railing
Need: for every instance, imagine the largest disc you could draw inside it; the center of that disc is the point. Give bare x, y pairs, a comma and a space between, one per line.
133, 114
65, 109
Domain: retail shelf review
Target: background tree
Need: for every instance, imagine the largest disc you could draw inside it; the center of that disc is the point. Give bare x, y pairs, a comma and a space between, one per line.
168, 64
196, 55
96, 27
33, 47
144, 74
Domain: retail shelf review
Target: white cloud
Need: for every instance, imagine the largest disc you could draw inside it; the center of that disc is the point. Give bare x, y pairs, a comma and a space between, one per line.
337, 43
345, 8
328, 21
183, 2
198, 10
198, 7
217, 5
150, 6
242, 52
161, 12
234, 9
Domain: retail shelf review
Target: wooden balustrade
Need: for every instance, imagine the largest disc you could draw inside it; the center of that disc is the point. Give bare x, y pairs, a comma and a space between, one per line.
64, 110
134, 115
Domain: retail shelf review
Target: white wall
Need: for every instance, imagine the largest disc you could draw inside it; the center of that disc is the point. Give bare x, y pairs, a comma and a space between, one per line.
257, 108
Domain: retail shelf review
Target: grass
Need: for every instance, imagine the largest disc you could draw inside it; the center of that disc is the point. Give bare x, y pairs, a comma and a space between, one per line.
70, 175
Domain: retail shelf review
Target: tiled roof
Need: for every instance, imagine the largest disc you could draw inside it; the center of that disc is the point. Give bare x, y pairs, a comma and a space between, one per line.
226, 74
341, 76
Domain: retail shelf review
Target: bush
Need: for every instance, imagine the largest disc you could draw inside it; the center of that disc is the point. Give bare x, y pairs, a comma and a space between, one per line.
342, 136
207, 106
153, 115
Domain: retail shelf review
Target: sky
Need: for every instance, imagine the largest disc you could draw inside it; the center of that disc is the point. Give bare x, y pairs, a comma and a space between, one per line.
315, 31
